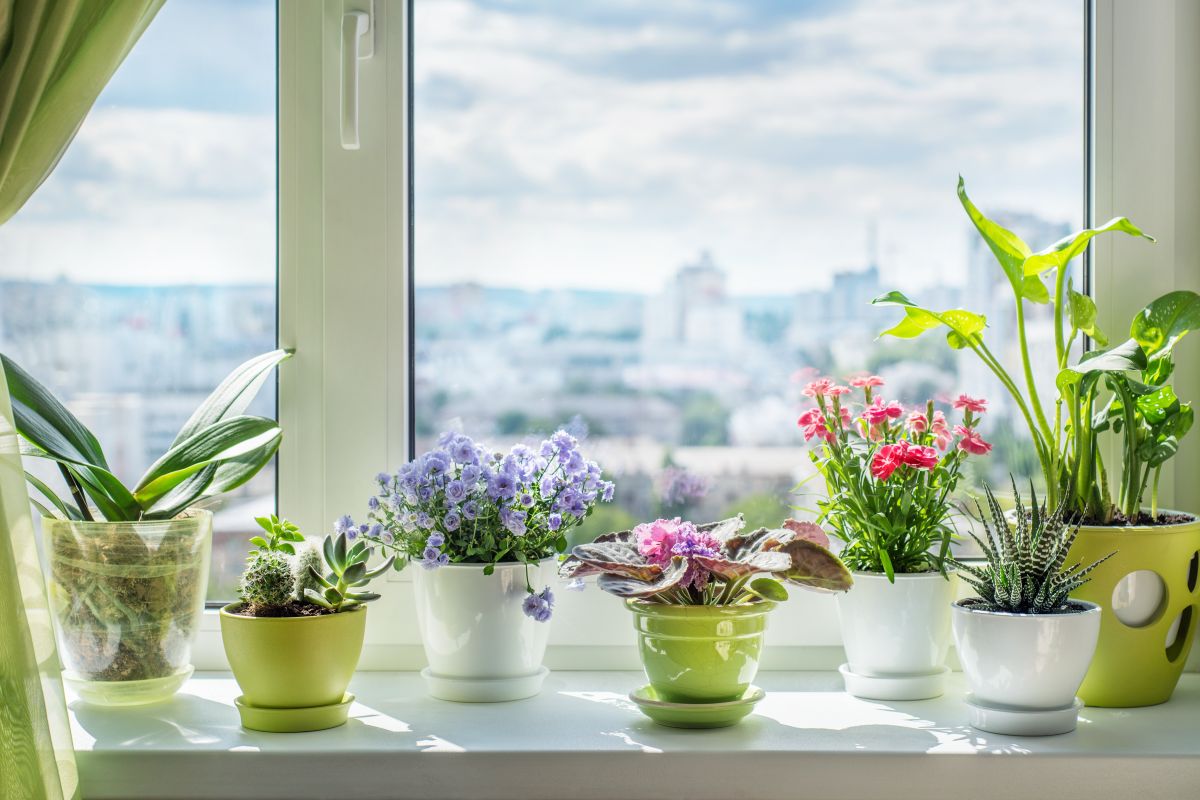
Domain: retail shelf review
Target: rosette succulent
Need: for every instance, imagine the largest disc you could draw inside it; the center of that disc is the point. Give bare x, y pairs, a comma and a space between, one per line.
679, 563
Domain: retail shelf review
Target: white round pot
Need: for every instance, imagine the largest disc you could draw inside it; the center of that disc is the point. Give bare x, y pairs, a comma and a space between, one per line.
1030, 663
896, 635
480, 645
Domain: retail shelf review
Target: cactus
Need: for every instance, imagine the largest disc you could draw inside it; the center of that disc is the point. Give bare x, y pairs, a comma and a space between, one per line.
306, 563
337, 591
1024, 572
267, 582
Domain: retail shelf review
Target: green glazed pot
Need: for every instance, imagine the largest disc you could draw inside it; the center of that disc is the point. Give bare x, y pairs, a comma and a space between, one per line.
700, 654
1139, 664
293, 662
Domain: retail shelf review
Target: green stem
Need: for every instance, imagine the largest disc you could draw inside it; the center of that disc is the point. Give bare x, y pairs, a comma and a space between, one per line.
1034, 400
76, 492
1154, 493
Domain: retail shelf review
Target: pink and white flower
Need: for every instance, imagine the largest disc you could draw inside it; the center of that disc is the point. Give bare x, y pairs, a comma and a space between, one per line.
976, 405
971, 441
866, 382
879, 412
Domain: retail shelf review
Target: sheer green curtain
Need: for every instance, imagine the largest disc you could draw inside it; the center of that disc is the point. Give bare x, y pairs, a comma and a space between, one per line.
55, 58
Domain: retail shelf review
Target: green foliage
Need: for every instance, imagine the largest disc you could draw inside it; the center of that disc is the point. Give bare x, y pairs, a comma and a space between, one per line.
763, 510
267, 582
306, 564
1142, 409
1024, 572
341, 588
284, 535
705, 422
216, 451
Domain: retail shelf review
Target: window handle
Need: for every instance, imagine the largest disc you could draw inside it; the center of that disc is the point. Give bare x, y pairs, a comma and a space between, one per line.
358, 42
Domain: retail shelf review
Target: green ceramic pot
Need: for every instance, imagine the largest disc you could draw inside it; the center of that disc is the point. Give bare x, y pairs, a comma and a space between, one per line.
1139, 664
700, 654
293, 662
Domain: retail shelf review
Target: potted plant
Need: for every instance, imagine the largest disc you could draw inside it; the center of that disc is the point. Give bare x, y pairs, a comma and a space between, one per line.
1119, 395
889, 474
486, 528
294, 639
129, 566
1023, 643
700, 597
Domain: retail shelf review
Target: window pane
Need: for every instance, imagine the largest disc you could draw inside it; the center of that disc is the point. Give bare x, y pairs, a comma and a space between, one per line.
143, 270
655, 220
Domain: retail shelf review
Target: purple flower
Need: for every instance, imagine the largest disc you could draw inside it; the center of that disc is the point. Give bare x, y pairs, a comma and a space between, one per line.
376, 531
424, 520
452, 521
554, 521
502, 486
425, 493
470, 509
431, 558
456, 491
539, 606
548, 485
384, 480
344, 525
514, 521
435, 540
469, 475
607, 492
464, 452
435, 463
388, 537
563, 441
527, 500
373, 503
447, 438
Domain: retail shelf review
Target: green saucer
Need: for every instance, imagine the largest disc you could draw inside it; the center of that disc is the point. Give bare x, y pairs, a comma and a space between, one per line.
294, 720
695, 715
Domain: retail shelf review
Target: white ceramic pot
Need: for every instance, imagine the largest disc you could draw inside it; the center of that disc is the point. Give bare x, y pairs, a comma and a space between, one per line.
1026, 661
896, 635
480, 645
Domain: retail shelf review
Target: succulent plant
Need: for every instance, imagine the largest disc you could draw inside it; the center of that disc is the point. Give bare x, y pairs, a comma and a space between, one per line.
267, 582
338, 590
284, 535
305, 564
1025, 571
675, 562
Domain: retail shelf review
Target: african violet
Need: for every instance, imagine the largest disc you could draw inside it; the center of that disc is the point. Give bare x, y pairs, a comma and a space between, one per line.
678, 563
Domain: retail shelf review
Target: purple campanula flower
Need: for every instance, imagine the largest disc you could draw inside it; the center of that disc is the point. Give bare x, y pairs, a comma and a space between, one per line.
435, 463
425, 493
547, 449
376, 531
554, 521
344, 524
470, 475
373, 503
456, 491
463, 450
502, 487
431, 558
515, 523
563, 441
548, 485
388, 537
452, 521
384, 480
447, 438
527, 500
539, 606
435, 539
470, 509
607, 491
424, 520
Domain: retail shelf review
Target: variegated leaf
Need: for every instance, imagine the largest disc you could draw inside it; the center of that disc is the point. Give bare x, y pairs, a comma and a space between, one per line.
807, 530
616, 557
631, 587
814, 567
736, 570
755, 541
723, 530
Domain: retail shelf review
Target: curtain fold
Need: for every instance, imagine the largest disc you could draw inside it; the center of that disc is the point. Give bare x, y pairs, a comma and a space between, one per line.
55, 58
36, 760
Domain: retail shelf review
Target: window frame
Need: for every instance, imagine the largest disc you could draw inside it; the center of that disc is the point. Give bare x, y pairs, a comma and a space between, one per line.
345, 273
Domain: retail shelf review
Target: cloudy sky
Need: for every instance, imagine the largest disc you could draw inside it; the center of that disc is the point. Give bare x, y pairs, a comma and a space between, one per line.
600, 143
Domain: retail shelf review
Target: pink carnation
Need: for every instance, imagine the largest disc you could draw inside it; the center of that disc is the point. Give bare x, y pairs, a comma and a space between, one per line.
917, 422
887, 460
971, 441
941, 430
879, 412
973, 404
921, 457
866, 382
812, 422
818, 388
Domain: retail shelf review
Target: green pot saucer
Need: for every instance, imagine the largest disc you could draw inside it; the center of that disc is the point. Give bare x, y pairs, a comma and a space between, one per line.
294, 720
695, 715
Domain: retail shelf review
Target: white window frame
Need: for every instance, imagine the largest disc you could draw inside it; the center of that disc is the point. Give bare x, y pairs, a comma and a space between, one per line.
344, 249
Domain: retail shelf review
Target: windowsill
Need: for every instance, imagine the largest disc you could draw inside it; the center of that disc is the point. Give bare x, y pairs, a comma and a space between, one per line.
581, 738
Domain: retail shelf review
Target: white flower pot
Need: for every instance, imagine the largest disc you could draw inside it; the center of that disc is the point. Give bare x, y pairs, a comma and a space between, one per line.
480, 645
896, 635
1028, 666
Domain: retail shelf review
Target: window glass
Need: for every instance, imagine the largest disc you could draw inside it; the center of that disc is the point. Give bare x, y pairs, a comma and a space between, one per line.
653, 221
143, 270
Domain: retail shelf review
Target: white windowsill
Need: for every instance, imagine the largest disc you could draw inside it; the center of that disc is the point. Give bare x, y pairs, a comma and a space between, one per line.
581, 738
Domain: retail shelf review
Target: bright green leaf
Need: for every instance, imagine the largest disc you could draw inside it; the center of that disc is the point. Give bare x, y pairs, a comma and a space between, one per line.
1058, 254
1160, 325
234, 395
1008, 248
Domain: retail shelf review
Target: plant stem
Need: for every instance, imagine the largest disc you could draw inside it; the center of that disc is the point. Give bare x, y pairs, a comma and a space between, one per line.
1034, 400
76, 492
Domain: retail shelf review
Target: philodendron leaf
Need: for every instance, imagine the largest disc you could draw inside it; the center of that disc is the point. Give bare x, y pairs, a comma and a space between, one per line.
964, 325
1081, 310
1006, 246
1127, 356
1156, 406
768, 589
736, 570
622, 586
1160, 325
1033, 290
617, 558
814, 567
1058, 254
234, 395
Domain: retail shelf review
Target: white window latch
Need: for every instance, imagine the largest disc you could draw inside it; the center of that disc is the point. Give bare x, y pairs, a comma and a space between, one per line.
358, 43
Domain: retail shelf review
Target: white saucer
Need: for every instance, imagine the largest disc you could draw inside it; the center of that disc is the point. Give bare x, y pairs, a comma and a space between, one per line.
1017, 722
483, 690
895, 687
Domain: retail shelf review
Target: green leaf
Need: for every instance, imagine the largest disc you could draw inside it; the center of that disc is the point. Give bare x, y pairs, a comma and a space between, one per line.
1034, 290
1125, 357
1160, 325
287, 547
338, 562
768, 589
964, 325
182, 496
259, 541
1058, 254
46, 422
328, 551
234, 395
1081, 311
265, 524
223, 441
354, 573
1008, 248
1158, 405
1180, 423
68, 510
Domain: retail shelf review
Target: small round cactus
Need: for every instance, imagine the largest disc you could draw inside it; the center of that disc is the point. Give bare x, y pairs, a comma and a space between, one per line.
267, 581
308, 555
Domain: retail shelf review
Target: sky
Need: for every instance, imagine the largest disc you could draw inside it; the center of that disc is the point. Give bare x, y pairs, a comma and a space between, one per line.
600, 143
